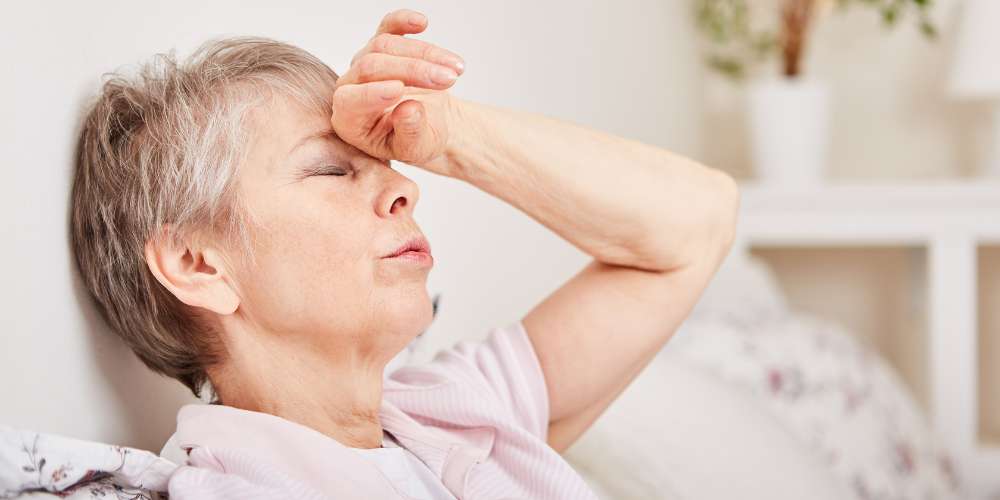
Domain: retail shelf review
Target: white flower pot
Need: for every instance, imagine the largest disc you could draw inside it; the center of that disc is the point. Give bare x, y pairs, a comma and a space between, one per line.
789, 122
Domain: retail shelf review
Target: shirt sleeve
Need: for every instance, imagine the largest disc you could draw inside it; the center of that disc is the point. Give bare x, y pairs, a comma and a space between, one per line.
475, 383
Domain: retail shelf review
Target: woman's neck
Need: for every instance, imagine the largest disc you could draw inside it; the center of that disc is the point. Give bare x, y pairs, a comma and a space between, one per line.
336, 393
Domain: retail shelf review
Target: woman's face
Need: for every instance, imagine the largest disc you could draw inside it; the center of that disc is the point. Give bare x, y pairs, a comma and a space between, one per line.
339, 261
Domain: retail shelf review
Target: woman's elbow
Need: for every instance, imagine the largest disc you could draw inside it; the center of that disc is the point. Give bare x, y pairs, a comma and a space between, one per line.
703, 235
723, 220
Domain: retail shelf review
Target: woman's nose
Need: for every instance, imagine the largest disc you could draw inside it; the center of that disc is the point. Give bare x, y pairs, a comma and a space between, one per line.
398, 195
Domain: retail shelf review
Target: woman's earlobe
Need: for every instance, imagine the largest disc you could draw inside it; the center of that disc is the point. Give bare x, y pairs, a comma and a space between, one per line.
214, 272
198, 278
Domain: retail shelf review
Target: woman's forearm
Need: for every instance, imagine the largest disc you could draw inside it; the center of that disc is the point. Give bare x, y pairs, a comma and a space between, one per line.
623, 202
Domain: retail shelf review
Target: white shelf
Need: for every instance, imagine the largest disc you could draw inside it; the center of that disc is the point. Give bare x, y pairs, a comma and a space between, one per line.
909, 195
869, 214
951, 220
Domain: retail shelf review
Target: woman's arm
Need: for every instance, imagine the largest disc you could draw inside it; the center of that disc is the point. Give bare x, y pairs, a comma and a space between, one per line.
657, 224
624, 203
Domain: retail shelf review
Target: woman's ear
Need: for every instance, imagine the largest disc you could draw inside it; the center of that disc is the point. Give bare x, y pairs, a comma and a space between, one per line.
198, 277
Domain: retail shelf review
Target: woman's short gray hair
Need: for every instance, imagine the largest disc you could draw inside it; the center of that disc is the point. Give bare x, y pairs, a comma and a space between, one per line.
162, 150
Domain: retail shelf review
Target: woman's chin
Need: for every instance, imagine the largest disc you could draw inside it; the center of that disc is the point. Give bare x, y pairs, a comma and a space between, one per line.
413, 312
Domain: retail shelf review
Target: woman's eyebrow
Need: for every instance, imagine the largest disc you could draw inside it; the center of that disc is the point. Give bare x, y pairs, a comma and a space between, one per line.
328, 134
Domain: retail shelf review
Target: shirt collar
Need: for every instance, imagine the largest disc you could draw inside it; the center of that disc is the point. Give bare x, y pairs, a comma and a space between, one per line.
303, 453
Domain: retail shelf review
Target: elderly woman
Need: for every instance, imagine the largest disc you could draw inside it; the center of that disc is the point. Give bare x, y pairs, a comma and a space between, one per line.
239, 225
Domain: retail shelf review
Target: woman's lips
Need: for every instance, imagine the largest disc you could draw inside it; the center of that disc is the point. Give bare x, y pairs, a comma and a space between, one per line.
415, 250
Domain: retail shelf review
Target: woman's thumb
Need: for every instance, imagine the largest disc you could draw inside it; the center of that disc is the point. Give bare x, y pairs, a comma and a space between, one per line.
409, 123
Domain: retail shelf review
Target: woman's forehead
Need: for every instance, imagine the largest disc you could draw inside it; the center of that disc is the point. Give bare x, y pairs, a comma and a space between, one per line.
286, 128
291, 122
320, 136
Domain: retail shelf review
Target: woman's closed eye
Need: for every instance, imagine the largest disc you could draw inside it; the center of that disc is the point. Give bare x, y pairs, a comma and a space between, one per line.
321, 170
335, 170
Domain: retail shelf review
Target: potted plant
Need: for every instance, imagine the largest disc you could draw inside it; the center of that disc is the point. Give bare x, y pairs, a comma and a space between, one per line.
788, 116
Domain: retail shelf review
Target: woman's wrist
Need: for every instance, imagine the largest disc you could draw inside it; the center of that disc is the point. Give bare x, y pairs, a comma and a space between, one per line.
464, 142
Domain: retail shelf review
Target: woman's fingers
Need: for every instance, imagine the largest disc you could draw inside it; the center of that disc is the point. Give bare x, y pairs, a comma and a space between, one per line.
357, 107
377, 67
361, 119
368, 97
402, 22
367, 108
395, 45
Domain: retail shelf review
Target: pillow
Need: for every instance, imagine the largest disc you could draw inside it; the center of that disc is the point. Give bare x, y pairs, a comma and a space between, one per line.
842, 403
743, 291
679, 432
837, 396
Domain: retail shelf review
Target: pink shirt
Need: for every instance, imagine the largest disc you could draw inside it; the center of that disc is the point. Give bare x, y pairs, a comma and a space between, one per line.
477, 417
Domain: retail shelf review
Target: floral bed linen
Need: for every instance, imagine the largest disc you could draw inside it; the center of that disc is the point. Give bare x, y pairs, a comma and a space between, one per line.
840, 397
34, 465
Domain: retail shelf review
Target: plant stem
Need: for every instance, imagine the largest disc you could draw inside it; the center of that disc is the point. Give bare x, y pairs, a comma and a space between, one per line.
795, 18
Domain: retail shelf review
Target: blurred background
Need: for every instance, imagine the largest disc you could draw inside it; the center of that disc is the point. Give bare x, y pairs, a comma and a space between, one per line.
635, 68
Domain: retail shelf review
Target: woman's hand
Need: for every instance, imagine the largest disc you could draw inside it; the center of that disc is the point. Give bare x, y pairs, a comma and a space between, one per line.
392, 103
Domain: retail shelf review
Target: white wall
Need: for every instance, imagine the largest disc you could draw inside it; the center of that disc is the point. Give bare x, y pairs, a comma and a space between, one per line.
629, 69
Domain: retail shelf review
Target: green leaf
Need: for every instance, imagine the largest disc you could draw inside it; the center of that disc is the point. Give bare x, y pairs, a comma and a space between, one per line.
732, 68
928, 29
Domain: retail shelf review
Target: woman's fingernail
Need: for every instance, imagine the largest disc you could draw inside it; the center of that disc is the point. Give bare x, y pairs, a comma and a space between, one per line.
416, 19
442, 75
414, 118
452, 61
389, 90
